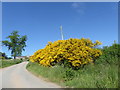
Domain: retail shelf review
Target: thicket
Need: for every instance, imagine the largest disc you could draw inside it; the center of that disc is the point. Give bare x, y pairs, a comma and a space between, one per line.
73, 53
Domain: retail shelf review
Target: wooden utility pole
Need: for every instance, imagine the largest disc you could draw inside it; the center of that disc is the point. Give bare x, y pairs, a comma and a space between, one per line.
61, 32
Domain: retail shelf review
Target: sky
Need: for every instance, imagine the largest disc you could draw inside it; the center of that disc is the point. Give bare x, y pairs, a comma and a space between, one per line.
41, 21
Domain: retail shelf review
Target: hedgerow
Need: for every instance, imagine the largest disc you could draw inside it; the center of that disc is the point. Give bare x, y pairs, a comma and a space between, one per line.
110, 54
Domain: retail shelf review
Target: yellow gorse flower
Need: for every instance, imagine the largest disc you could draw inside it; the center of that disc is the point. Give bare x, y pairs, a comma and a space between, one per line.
76, 52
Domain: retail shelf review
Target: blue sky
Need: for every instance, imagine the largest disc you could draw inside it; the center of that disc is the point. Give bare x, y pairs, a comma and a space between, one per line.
40, 21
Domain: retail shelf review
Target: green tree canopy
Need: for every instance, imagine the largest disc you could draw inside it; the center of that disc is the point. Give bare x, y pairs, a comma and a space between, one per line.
16, 43
3, 56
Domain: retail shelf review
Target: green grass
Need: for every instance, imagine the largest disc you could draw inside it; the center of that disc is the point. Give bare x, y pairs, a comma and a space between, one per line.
92, 76
6, 63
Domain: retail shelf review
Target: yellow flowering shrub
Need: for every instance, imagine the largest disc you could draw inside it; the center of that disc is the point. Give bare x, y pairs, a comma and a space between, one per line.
75, 52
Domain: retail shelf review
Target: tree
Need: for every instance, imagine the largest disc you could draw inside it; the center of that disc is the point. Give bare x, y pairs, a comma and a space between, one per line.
3, 56
16, 43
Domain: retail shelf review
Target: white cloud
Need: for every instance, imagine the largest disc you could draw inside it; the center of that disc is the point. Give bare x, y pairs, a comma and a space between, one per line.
76, 5
79, 7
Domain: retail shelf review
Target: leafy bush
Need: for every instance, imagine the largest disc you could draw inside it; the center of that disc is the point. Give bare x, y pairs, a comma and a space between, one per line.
110, 54
72, 53
3, 56
69, 74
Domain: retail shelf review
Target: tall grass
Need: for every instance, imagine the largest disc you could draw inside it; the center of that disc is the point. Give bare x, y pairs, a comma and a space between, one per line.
92, 76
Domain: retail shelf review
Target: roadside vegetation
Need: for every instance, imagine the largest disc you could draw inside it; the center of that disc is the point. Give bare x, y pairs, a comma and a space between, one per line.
8, 62
96, 72
16, 44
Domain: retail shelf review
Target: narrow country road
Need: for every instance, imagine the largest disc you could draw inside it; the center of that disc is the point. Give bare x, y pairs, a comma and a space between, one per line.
17, 76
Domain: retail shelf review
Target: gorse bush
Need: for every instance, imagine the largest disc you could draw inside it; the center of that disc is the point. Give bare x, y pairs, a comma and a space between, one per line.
72, 53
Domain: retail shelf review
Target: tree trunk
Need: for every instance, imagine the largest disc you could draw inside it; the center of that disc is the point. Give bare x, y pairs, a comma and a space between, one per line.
14, 57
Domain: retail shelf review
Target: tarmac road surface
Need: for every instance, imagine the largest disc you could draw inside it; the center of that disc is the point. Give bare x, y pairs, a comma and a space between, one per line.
17, 76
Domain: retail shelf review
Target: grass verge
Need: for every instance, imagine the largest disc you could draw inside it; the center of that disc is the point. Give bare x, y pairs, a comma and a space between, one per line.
6, 63
91, 76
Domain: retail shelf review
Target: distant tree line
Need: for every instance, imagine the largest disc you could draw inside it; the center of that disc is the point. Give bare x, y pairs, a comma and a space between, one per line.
4, 56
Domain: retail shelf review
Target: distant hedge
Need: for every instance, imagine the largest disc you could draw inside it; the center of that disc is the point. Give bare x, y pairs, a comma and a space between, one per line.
71, 52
